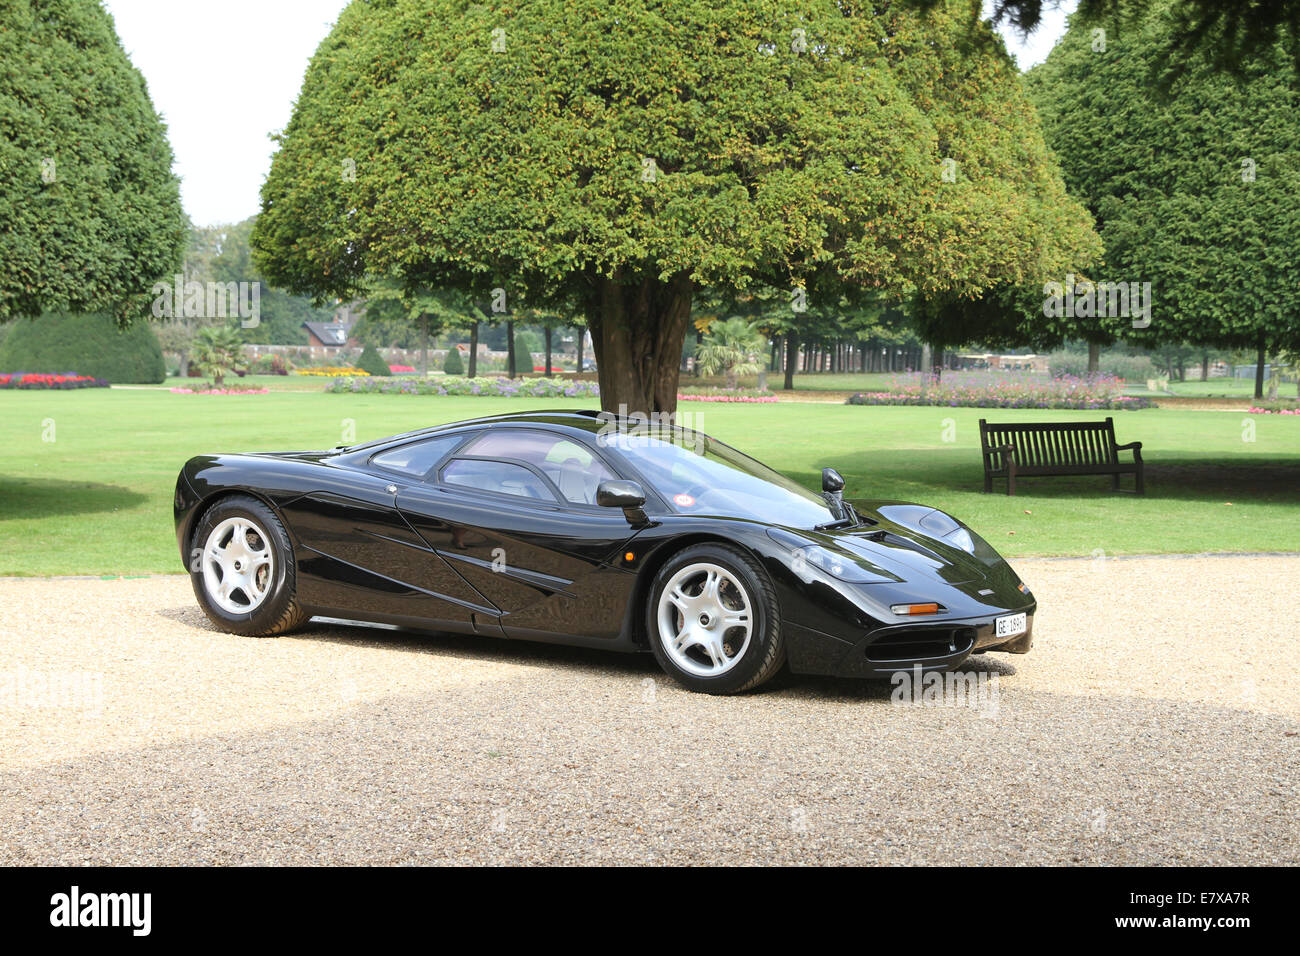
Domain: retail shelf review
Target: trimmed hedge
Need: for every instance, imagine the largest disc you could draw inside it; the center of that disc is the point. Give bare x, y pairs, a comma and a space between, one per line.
452, 364
86, 344
371, 361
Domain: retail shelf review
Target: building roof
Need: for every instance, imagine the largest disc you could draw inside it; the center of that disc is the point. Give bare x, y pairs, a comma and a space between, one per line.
331, 333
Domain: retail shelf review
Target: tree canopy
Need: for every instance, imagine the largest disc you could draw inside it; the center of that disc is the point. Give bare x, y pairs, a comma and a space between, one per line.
1196, 194
1221, 34
90, 207
619, 159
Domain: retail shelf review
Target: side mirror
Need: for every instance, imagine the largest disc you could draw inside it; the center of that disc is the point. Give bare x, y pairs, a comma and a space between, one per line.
627, 495
833, 492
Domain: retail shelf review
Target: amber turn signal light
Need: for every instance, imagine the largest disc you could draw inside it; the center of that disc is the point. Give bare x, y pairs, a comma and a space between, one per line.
915, 609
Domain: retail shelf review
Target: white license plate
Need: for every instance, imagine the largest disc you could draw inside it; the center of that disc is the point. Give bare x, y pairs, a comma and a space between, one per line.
1011, 625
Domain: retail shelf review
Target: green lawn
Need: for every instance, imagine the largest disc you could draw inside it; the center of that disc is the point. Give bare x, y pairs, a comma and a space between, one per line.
97, 498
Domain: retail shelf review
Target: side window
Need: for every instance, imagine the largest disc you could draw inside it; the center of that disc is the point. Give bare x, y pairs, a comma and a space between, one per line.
418, 457
499, 476
570, 466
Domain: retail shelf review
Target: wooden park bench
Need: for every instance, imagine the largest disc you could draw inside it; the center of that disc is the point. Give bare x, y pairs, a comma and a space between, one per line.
1037, 449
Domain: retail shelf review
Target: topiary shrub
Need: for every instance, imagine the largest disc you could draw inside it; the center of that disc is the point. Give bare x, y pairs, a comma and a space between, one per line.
452, 364
86, 345
371, 361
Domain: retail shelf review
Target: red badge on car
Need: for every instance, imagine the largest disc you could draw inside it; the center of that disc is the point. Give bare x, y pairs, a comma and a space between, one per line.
684, 501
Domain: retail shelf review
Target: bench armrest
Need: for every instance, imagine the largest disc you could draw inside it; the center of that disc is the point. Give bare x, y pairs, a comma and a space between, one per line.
1135, 447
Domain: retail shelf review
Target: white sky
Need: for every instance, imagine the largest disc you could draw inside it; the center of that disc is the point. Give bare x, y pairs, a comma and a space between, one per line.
225, 73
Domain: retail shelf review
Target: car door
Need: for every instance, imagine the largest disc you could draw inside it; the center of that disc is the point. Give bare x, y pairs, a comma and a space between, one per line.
550, 563
357, 553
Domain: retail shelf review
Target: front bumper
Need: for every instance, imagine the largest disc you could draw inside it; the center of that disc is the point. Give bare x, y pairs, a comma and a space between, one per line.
933, 646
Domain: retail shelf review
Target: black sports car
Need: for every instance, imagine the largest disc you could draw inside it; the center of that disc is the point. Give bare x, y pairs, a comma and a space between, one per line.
584, 528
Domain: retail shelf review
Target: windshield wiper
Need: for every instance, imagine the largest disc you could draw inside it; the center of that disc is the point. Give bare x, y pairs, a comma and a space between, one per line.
830, 525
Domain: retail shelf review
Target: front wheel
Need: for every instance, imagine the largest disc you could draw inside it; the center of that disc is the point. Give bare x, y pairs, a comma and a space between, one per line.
713, 620
242, 569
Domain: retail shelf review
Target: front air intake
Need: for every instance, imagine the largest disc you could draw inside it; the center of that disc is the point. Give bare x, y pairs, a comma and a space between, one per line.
921, 643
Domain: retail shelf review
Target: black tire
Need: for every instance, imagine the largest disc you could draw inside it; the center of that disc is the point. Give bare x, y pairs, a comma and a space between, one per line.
279, 611
764, 654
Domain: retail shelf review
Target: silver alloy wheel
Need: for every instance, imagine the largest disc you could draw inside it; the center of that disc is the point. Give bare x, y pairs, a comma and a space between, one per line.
705, 619
238, 565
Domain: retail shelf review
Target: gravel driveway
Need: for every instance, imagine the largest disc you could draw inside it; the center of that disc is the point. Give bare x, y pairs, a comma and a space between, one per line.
1155, 722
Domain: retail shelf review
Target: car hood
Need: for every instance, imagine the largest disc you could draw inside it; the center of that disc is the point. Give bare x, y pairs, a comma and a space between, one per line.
891, 550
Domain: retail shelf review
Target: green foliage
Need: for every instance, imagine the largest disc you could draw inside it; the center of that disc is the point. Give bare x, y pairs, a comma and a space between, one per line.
90, 207
218, 352
613, 159
1223, 34
452, 364
1195, 194
85, 344
371, 361
1131, 368
732, 347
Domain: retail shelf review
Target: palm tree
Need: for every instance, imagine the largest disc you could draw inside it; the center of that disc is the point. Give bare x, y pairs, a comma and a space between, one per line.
732, 348
217, 352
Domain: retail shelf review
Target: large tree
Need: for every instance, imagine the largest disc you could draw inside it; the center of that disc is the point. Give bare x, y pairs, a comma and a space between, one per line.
1198, 194
90, 212
623, 157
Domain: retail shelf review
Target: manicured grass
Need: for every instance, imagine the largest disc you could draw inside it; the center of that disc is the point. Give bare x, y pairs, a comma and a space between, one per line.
97, 498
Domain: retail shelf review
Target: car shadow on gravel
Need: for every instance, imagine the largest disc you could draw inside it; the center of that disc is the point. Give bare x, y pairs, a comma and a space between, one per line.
468, 647
465, 775
483, 650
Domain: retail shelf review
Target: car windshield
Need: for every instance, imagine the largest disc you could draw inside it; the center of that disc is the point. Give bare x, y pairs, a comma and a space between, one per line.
700, 475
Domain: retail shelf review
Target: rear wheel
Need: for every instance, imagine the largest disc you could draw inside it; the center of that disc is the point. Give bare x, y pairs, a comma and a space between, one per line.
242, 569
713, 620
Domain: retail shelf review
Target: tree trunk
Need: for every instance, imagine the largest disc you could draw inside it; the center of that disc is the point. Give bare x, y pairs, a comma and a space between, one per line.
424, 345
473, 349
791, 356
510, 348
1205, 367
1094, 358
1261, 355
548, 351
582, 340
638, 326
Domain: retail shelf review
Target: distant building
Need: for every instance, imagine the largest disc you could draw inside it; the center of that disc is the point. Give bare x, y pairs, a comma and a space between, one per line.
338, 333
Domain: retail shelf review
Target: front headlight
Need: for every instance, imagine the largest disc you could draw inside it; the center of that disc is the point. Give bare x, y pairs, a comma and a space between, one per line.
839, 566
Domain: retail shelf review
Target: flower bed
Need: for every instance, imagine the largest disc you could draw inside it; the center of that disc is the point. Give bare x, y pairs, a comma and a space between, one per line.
1275, 408
40, 380
1004, 390
749, 395
401, 369
452, 385
333, 371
